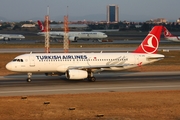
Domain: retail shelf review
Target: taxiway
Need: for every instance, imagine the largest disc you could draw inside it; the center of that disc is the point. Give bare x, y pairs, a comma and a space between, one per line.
16, 85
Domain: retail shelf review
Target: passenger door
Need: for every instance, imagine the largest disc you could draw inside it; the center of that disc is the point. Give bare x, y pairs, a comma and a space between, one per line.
31, 61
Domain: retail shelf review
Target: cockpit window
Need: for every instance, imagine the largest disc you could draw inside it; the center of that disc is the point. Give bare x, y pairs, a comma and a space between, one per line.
18, 60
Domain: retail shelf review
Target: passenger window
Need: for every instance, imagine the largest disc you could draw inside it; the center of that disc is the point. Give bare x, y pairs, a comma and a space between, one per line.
14, 60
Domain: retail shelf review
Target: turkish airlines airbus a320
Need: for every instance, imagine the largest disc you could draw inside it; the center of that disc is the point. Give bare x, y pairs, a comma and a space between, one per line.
84, 65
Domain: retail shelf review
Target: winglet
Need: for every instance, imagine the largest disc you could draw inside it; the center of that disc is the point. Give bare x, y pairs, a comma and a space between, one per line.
150, 44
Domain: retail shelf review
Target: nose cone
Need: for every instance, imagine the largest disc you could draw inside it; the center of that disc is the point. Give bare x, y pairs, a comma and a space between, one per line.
105, 36
9, 66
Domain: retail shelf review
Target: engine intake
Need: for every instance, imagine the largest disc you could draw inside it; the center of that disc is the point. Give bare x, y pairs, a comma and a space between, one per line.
73, 38
76, 74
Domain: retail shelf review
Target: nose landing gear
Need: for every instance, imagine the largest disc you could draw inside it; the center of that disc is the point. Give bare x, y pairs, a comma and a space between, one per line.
29, 77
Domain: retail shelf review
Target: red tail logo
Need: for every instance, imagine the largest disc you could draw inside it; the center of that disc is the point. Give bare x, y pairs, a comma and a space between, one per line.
151, 42
151, 45
41, 26
166, 32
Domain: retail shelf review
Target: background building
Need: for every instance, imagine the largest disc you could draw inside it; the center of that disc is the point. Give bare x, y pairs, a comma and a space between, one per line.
112, 13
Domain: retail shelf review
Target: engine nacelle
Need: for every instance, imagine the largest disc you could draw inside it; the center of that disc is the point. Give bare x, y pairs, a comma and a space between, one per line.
73, 38
6, 38
76, 74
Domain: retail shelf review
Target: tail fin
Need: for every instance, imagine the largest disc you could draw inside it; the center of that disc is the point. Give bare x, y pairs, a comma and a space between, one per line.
167, 33
151, 42
41, 26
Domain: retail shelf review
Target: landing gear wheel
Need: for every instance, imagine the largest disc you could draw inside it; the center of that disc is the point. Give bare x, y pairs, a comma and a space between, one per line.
28, 79
92, 79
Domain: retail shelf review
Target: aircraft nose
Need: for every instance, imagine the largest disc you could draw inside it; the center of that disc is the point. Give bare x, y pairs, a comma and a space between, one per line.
105, 36
9, 66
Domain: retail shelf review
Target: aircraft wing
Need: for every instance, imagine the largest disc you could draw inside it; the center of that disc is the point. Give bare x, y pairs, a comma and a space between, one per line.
97, 66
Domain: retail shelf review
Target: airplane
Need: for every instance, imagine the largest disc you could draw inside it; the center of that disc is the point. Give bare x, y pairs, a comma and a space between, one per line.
11, 36
169, 36
78, 66
73, 36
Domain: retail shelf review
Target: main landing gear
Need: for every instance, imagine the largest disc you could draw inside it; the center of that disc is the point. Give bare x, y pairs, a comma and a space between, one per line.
91, 78
29, 77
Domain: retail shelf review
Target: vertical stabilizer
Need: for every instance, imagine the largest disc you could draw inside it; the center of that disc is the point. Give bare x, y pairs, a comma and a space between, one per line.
41, 26
150, 44
167, 33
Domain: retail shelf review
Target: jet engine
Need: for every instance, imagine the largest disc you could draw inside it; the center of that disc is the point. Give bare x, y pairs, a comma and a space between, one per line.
76, 74
73, 38
6, 38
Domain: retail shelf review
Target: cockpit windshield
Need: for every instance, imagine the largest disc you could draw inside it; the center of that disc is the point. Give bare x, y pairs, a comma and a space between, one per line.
18, 60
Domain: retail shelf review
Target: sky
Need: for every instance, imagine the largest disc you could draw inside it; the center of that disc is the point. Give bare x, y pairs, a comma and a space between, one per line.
130, 10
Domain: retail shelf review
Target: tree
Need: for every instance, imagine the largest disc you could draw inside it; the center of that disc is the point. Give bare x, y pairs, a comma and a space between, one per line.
145, 27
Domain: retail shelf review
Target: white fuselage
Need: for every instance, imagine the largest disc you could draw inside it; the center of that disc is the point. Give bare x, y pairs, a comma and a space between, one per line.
11, 36
76, 35
173, 38
61, 62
